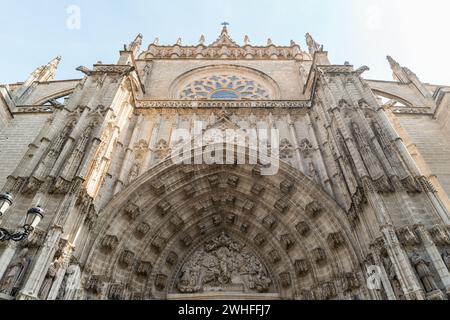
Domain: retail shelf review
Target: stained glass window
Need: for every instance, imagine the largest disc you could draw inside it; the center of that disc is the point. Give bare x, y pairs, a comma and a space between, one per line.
224, 95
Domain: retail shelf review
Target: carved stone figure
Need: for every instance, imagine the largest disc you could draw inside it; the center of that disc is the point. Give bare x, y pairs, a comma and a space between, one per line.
446, 258
15, 274
423, 271
393, 278
70, 284
226, 264
134, 172
48, 281
313, 46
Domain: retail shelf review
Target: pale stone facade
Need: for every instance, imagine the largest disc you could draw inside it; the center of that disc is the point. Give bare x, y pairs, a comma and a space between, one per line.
363, 181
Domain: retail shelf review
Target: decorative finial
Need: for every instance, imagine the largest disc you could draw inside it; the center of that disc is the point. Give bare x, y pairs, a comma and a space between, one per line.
392, 62
269, 42
225, 30
135, 45
313, 46
156, 41
202, 40
293, 43
246, 40
179, 41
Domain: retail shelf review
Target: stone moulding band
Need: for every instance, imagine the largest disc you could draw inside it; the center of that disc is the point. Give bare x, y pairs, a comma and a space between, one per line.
33, 109
223, 104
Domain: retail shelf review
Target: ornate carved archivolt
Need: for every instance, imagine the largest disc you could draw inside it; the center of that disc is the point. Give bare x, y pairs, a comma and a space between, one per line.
167, 238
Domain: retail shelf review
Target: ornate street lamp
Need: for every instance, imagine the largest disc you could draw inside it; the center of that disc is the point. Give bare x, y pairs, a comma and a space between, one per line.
34, 217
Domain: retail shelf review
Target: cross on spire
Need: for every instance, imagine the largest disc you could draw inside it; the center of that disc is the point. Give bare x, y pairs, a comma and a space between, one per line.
225, 24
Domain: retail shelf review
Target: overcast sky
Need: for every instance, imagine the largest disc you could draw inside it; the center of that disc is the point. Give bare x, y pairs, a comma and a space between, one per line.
363, 32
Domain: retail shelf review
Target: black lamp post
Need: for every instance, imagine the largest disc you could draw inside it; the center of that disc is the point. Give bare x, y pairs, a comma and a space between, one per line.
34, 217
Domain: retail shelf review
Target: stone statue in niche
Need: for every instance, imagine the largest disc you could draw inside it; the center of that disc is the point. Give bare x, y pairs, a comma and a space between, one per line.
223, 264
446, 258
396, 285
70, 284
423, 271
15, 274
134, 172
48, 281
312, 172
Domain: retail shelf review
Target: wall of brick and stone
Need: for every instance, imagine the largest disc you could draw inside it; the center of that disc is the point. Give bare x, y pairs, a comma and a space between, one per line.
433, 143
15, 137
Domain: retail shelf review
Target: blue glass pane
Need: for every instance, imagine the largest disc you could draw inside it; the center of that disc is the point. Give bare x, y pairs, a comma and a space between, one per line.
224, 95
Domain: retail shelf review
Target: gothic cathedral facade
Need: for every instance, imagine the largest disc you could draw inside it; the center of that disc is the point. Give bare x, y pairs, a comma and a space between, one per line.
358, 207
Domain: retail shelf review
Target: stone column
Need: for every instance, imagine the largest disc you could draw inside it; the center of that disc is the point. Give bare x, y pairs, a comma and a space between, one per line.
322, 167
384, 277
65, 259
6, 257
296, 146
129, 150
31, 288
403, 268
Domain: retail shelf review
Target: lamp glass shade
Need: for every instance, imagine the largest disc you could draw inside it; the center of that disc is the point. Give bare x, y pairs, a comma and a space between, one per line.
5, 202
34, 217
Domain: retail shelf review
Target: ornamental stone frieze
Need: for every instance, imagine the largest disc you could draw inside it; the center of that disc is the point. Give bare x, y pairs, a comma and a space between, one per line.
224, 48
193, 105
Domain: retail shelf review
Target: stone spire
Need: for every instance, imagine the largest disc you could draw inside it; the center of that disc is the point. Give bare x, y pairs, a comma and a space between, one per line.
406, 76
224, 39
46, 72
42, 74
202, 40
399, 73
136, 44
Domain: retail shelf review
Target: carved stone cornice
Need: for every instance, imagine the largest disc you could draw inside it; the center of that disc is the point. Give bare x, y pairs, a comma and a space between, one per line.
178, 104
335, 69
112, 68
33, 109
405, 110
225, 52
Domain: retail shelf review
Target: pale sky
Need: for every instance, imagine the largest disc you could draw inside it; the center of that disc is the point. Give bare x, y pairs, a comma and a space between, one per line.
363, 32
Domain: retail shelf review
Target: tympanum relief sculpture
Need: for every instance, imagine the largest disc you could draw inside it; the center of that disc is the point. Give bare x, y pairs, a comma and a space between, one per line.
223, 264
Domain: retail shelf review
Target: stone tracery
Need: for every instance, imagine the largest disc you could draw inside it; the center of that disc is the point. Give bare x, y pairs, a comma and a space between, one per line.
224, 87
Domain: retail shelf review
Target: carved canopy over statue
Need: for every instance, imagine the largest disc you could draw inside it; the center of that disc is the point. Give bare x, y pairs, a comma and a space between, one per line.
223, 264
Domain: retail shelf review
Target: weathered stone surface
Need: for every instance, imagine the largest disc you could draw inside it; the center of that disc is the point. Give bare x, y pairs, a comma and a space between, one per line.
355, 170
